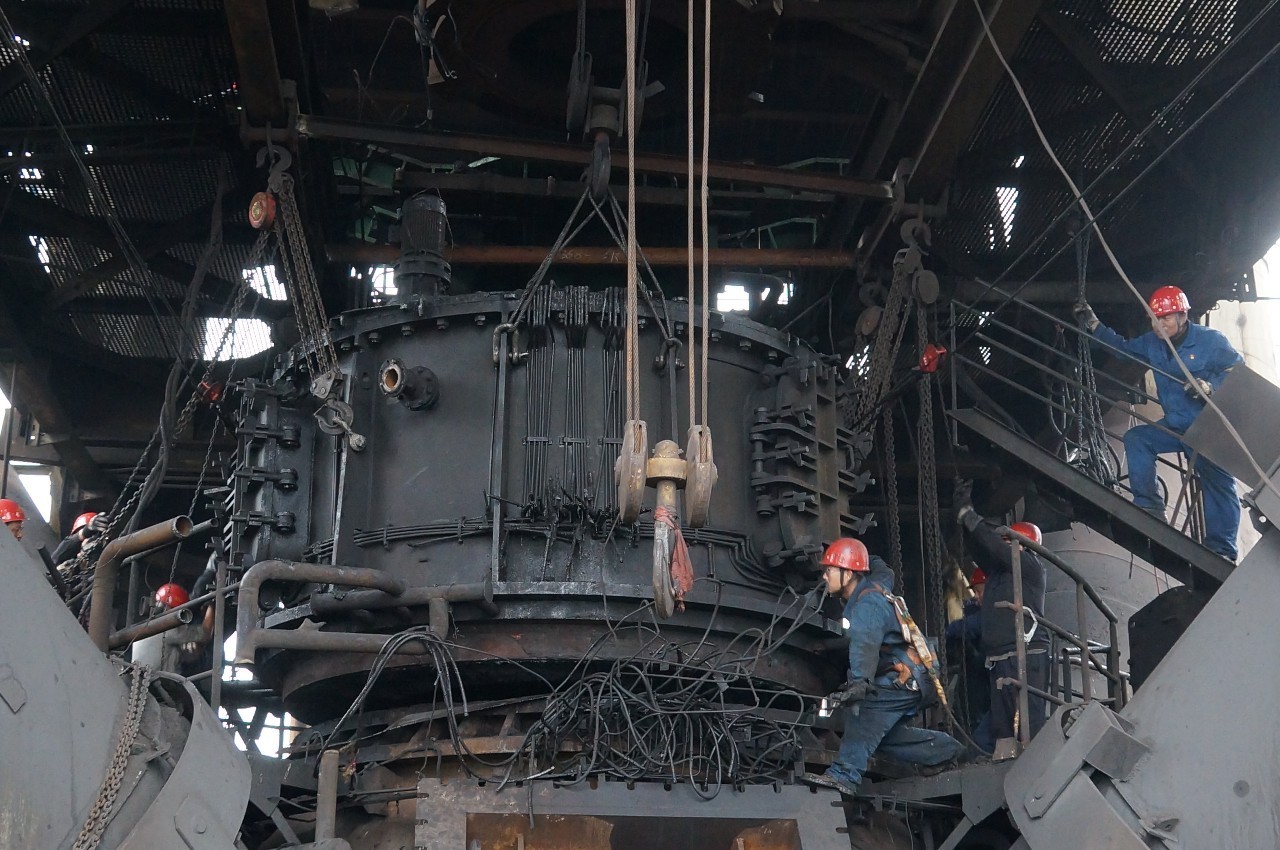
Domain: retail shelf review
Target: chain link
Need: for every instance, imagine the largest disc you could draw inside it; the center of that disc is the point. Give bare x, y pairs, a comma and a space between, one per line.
891, 494
123, 508
935, 560
884, 350
104, 807
309, 307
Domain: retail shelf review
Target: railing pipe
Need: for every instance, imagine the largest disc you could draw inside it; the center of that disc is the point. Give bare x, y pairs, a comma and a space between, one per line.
1062, 565
108, 567
1020, 647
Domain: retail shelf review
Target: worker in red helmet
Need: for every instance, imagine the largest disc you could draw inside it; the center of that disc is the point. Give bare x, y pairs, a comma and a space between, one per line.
1209, 358
889, 680
993, 553
83, 529
12, 515
170, 596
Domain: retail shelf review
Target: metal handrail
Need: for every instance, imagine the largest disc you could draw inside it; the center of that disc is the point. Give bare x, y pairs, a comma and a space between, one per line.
1084, 590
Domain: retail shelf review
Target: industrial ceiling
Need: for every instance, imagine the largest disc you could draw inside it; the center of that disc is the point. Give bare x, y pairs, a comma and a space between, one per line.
133, 134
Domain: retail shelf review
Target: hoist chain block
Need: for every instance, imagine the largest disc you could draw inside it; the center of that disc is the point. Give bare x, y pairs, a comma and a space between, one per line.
629, 469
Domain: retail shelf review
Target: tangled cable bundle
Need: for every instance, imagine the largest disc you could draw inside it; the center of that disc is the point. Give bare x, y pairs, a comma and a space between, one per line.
691, 711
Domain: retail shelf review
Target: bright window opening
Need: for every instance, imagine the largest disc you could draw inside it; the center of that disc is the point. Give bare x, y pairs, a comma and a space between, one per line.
38, 483
733, 298
264, 282
247, 337
42, 251
1007, 201
382, 280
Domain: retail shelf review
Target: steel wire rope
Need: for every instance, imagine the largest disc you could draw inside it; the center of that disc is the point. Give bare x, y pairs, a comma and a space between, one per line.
689, 231
632, 346
1263, 477
705, 207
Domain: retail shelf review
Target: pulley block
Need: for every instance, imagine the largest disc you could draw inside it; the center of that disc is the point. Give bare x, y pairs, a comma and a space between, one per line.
629, 469
262, 211
700, 476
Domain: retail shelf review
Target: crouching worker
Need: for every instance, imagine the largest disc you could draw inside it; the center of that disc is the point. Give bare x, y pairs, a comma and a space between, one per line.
890, 680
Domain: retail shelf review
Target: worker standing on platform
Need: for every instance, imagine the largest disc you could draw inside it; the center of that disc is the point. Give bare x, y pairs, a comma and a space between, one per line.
12, 515
994, 555
889, 680
1208, 357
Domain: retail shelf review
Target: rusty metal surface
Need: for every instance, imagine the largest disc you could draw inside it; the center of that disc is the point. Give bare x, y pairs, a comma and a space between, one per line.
611, 815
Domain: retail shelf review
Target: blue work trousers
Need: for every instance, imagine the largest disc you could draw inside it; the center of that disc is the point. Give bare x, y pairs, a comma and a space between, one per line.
879, 722
1221, 504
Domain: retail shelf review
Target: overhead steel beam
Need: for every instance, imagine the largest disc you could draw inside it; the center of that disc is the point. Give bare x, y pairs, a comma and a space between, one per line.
505, 255
68, 34
42, 214
121, 306
970, 89
259, 73
164, 237
498, 184
1079, 45
33, 393
317, 127
959, 75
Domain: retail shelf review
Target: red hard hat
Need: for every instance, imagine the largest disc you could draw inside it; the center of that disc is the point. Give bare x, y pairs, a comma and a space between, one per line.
977, 577
1028, 530
82, 520
172, 595
847, 554
10, 511
1168, 300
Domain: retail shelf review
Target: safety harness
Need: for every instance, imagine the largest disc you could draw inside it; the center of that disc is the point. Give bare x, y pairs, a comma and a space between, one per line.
918, 651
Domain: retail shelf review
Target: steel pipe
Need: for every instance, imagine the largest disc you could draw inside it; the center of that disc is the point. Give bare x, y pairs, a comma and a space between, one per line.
149, 628
588, 255
327, 797
249, 637
108, 566
481, 593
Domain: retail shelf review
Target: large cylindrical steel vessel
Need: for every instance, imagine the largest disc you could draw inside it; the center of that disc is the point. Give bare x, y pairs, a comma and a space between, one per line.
479, 453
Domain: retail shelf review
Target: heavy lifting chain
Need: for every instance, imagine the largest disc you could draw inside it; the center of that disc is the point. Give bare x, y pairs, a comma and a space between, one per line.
884, 350
935, 566
889, 455
122, 510
104, 807
307, 304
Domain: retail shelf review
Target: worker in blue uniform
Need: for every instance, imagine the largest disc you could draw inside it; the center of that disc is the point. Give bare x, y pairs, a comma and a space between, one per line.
1209, 357
889, 681
993, 552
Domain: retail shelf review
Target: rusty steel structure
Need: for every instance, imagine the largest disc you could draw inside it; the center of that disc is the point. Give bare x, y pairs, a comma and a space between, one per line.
419, 436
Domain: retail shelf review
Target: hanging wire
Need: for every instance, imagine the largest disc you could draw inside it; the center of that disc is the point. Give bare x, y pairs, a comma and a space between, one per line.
1263, 477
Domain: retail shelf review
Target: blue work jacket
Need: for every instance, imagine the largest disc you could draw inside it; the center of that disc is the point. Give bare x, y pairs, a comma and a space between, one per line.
1206, 352
875, 635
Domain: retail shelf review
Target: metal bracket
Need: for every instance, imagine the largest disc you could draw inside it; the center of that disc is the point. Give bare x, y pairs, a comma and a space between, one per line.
335, 417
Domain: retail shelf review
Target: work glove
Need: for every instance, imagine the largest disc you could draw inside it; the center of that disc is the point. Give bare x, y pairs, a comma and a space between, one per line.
849, 694
1198, 387
99, 523
1085, 316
